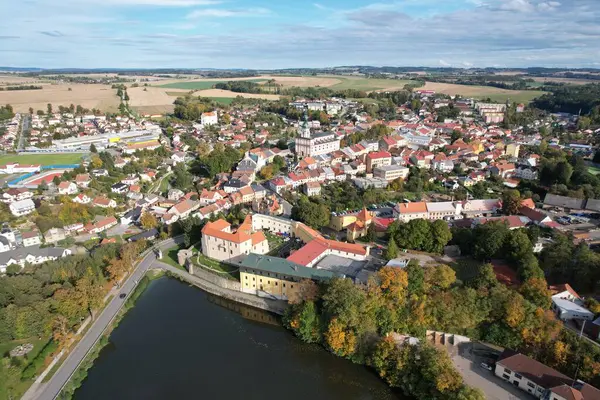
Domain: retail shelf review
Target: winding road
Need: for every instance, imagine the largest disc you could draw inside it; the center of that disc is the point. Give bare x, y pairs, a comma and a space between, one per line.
50, 390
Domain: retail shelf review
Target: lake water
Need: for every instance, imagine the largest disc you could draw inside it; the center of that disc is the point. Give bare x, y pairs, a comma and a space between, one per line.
181, 343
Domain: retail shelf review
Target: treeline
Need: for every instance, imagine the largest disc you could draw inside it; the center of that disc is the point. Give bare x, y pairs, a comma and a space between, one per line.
190, 108
24, 87
52, 299
6, 112
572, 99
509, 82
241, 87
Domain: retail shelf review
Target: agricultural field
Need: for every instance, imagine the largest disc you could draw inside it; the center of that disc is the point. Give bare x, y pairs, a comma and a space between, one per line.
368, 84
483, 92
43, 159
88, 96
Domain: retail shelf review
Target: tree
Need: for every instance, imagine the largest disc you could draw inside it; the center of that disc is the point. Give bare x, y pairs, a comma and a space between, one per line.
392, 250
183, 179
311, 212
96, 162
371, 233
488, 239
56, 181
536, 291
440, 277
511, 202
441, 235
93, 148
148, 221
416, 278
49, 108
486, 277
304, 320
42, 187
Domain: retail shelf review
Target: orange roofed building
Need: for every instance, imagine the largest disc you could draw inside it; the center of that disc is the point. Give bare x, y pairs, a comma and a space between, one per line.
220, 242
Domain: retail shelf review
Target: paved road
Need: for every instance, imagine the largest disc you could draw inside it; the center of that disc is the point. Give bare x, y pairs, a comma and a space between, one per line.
24, 128
52, 388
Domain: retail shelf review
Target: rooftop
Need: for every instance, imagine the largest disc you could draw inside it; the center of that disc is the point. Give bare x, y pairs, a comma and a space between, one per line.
284, 267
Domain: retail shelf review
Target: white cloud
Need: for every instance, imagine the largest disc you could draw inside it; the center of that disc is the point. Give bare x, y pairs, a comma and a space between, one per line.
223, 13
444, 63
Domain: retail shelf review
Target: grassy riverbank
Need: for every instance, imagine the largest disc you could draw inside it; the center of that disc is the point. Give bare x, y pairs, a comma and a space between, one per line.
81, 373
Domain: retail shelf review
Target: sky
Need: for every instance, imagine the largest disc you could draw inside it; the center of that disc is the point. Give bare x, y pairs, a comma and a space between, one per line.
262, 34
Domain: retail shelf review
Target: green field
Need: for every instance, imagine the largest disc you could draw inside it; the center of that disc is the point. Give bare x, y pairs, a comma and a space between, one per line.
519, 96
44, 159
199, 85
223, 100
368, 84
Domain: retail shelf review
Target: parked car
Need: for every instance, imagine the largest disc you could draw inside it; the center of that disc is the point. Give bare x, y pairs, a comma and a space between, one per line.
122, 295
486, 366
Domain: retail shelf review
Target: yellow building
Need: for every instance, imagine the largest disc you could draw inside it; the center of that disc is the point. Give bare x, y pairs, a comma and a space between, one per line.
341, 222
360, 226
512, 150
276, 276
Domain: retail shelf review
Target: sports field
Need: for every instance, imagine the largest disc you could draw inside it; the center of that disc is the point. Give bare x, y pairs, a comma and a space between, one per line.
43, 159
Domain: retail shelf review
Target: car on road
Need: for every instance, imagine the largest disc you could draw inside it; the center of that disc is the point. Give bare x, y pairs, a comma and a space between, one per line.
122, 295
486, 366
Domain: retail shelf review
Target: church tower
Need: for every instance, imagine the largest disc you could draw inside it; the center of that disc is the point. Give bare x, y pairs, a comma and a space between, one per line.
304, 130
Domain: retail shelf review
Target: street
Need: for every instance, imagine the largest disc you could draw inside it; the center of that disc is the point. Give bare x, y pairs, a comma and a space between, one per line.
24, 130
51, 389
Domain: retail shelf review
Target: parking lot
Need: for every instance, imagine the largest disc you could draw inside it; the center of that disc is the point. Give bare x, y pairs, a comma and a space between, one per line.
468, 363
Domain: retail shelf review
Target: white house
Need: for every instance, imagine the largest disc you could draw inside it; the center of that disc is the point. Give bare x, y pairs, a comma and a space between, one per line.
31, 238
4, 244
568, 305
209, 118
32, 255
23, 207
82, 199
67, 188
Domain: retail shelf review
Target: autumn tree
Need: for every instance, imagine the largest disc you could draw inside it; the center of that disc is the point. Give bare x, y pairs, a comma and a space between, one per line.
96, 162
393, 282
304, 320
536, 291
340, 340
148, 220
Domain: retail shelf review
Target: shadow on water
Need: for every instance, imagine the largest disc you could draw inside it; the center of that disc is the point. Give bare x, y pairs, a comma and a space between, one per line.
181, 343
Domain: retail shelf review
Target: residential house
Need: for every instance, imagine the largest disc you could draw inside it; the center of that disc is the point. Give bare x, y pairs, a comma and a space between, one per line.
30, 255
22, 207
132, 216
4, 244
82, 199
31, 238
568, 305
83, 180
378, 159
502, 169
67, 188
102, 225
312, 189
54, 235
541, 381
176, 194
184, 208
526, 172
120, 188
104, 202
16, 194
391, 172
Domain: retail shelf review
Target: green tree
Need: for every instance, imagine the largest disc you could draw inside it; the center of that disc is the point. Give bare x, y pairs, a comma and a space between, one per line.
511, 202
371, 234
304, 320
440, 234
392, 250
93, 148
416, 278
536, 291
311, 212
49, 108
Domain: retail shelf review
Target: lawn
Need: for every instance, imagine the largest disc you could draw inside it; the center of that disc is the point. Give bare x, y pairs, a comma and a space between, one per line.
38, 345
44, 159
170, 257
224, 270
199, 85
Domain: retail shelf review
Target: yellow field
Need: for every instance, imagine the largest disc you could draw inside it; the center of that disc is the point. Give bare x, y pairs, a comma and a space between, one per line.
88, 96
14, 80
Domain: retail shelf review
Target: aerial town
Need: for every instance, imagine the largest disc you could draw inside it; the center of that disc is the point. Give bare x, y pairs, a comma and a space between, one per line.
470, 225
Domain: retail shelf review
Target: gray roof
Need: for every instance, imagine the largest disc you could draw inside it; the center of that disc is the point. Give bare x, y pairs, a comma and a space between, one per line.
563, 201
4, 241
593, 205
22, 252
144, 235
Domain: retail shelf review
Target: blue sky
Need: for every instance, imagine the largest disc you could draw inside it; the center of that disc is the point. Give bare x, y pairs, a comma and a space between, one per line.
283, 34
